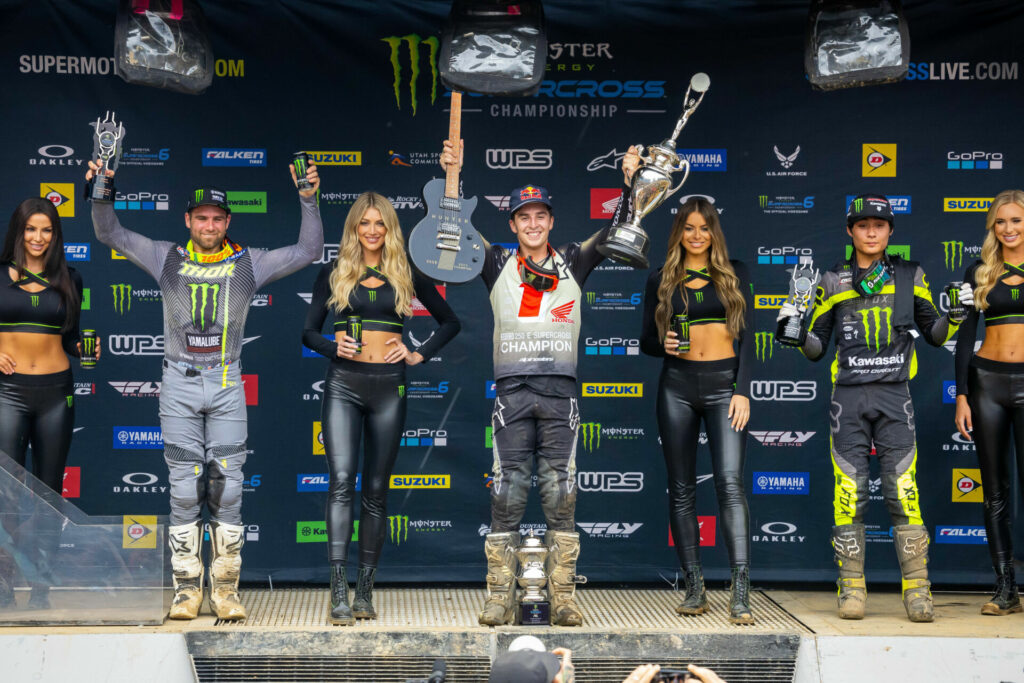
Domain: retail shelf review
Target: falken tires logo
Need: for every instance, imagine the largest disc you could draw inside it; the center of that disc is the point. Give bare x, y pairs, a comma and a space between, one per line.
961, 535
229, 156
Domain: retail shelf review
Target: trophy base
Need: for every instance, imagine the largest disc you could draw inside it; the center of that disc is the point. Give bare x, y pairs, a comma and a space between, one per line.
534, 614
627, 245
790, 332
102, 189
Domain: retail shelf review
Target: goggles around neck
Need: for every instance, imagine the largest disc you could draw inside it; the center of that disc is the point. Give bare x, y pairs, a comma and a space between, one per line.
537, 276
871, 280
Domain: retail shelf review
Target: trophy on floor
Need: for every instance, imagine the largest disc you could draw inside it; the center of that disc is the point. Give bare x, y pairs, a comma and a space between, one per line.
791, 330
534, 608
652, 184
106, 147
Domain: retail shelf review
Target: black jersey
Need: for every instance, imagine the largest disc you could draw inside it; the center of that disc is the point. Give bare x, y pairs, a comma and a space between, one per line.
1005, 307
41, 312
376, 306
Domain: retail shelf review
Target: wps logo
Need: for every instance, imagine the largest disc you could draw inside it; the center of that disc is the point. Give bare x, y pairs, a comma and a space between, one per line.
591, 433
519, 159
783, 390
611, 482
613, 390
967, 486
764, 343
873, 320
135, 344
398, 528
61, 195
412, 43
203, 303
878, 161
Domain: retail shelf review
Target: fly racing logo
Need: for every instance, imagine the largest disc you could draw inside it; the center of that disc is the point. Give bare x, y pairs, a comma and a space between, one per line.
609, 529
122, 298
782, 438
501, 201
874, 320
398, 528
953, 254
412, 42
137, 389
764, 343
591, 433
35, 300
204, 300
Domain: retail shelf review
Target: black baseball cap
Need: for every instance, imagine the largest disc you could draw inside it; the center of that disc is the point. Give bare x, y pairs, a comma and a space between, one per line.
521, 196
524, 666
869, 206
208, 196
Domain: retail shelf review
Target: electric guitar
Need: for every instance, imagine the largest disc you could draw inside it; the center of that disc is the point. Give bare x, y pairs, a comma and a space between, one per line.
444, 245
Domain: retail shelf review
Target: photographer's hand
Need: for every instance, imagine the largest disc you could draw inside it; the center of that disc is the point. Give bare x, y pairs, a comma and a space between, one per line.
644, 673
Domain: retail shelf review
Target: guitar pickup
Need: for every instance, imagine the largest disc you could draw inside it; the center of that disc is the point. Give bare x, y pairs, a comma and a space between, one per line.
450, 204
448, 247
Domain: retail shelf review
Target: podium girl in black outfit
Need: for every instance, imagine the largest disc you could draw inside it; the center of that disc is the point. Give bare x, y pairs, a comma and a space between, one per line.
710, 382
364, 392
990, 383
40, 304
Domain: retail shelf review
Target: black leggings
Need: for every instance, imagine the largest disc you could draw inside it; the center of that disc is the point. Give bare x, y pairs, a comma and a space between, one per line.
38, 410
688, 391
362, 401
995, 392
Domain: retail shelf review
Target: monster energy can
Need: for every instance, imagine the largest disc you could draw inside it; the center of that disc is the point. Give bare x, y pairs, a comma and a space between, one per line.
957, 311
300, 161
681, 326
88, 349
355, 330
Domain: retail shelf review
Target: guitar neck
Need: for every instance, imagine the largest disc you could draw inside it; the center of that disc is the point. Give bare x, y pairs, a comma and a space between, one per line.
451, 179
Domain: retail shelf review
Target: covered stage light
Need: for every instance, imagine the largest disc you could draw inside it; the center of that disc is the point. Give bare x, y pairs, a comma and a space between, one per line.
163, 44
494, 47
853, 43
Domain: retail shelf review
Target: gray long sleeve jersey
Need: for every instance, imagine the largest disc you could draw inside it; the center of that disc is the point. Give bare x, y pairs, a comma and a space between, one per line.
206, 304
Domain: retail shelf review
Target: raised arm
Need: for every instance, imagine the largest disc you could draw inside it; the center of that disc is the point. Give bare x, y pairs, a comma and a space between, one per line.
277, 263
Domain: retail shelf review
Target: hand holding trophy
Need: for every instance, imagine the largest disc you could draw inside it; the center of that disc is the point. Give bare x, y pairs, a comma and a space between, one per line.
627, 242
107, 140
791, 330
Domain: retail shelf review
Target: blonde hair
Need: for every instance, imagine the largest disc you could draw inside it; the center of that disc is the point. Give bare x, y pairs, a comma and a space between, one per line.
349, 268
723, 276
987, 274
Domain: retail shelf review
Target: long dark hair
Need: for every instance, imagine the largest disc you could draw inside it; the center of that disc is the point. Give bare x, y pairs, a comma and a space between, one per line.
55, 268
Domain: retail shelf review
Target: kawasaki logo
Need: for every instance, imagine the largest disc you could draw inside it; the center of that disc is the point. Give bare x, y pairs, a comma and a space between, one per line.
879, 361
872, 318
200, 294
122, 296
953, 254
590, 431
398, 528
763, 345
413, 42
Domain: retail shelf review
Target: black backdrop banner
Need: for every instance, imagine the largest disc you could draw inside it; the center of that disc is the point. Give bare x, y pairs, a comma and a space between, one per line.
356, 84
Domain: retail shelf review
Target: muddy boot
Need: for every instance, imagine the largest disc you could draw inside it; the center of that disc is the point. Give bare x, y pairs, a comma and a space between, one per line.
186, 542
848, 542
341, 613
562, 579
501, 579
362, 604
739, 596
225, 568
912, 550
696, 600
1005, 600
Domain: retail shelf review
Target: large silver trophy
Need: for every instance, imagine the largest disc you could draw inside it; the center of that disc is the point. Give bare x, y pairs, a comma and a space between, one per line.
107, 139
534, 608
791, 330
627, 242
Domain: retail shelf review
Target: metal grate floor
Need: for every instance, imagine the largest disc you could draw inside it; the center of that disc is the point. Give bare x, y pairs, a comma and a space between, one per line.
448, 608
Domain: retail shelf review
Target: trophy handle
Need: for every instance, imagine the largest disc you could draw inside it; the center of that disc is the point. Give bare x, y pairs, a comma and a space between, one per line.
640, 153
684, 165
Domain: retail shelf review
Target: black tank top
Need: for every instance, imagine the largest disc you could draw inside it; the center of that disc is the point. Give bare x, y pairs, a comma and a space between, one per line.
375, 305
1005, 302
41, 312
703, 305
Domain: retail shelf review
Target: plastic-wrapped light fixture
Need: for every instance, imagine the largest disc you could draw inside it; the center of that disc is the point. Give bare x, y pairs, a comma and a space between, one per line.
494, 47
163, 44
852, 43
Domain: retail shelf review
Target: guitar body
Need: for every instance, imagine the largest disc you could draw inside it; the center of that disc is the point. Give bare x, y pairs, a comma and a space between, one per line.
444, 245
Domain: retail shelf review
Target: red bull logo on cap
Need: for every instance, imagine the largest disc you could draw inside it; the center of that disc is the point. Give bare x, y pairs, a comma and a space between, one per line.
529, 192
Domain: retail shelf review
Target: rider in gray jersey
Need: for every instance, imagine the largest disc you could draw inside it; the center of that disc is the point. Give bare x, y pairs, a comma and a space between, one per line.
207, 288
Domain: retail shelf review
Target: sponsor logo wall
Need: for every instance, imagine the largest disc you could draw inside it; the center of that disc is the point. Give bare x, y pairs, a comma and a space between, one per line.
780, 192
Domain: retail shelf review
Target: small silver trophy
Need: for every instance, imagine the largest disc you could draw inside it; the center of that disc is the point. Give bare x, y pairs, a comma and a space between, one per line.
791, 330
106, 147
627, 242
534, 608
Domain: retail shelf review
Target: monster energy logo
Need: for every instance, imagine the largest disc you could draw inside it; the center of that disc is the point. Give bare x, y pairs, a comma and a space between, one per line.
373, 295
70, 400
874, 315
590, 432
401, 391
698, 297
200, 295
763, 200
35, 300
954, 297
591, 297
398, 528
764, 345
413, 41
953, 254
858, 205
1015, 294
122, 294
199, 196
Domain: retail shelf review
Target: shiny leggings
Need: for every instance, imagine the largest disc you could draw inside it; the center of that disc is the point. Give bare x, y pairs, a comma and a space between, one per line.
38, 410
687, 392
995, 393
362, 402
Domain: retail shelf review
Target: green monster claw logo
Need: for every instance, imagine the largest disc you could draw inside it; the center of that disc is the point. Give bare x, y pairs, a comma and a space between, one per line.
858, 205
35, 301
122, 295
590, 432
591, 297
373, 295
698, 297
763, 200
764, 343
1015, 294
413, 41
873, 317
953, 254
954, 297
401, 391
199, 196
200, 293
398, 528
89, 346
70, 400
